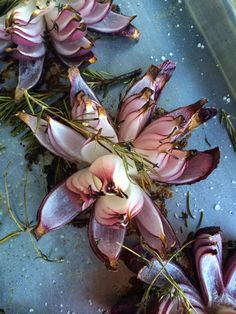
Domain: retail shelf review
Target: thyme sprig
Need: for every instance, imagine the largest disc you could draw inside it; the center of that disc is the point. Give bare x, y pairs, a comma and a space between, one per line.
25, 227
172, 288
225, 119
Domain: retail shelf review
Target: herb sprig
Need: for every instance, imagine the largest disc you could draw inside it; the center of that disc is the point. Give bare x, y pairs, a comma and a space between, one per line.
23, 227
124, 150
172, 288
225, 119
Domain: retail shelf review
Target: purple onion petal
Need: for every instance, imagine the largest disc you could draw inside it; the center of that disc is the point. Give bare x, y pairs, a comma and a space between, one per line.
57, 209
104, 241
230, 275
78, 84
98, 13
29, 74
112, 23
39, 129
155, 228
155, 79
208, 268
199, 165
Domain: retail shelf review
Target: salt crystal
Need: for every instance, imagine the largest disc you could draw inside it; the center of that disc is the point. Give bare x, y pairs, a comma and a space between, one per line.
163, 58
217, 207
233, 182
31, 310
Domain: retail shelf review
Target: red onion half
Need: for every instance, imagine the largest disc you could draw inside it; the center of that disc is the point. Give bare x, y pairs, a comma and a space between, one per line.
106, 185
216, 286
24, 28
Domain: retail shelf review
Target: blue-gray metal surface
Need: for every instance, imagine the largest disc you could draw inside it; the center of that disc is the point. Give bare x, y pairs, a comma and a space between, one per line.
81, 284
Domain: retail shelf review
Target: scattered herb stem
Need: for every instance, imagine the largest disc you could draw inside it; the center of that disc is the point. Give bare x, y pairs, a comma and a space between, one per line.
226, 120
26, 228
200, 220
10, 236
188, 205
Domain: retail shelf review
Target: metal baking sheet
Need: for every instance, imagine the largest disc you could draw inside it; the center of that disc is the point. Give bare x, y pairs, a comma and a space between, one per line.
81, 284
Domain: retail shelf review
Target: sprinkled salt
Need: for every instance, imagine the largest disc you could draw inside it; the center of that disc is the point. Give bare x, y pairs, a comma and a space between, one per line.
233, 182
171, 54
217, 207
31, 310
163, 58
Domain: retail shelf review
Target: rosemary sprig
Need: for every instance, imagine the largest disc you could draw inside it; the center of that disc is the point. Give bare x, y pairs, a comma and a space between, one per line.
23, 227
172, 288
225, 119
102, 80
123, 149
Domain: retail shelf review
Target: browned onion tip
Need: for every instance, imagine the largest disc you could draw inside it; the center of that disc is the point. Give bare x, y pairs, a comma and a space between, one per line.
57, 209
39, 231
155, 228
105, 242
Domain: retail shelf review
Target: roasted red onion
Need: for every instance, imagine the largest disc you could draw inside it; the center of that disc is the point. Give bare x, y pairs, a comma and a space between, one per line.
116, 201
106, 183
217, 284
24, 28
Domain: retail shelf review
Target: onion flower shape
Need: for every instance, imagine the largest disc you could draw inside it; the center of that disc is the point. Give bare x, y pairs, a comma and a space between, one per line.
215, 288
116, 156
25, 28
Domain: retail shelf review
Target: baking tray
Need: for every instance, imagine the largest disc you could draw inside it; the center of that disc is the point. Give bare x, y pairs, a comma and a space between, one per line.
81, 284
